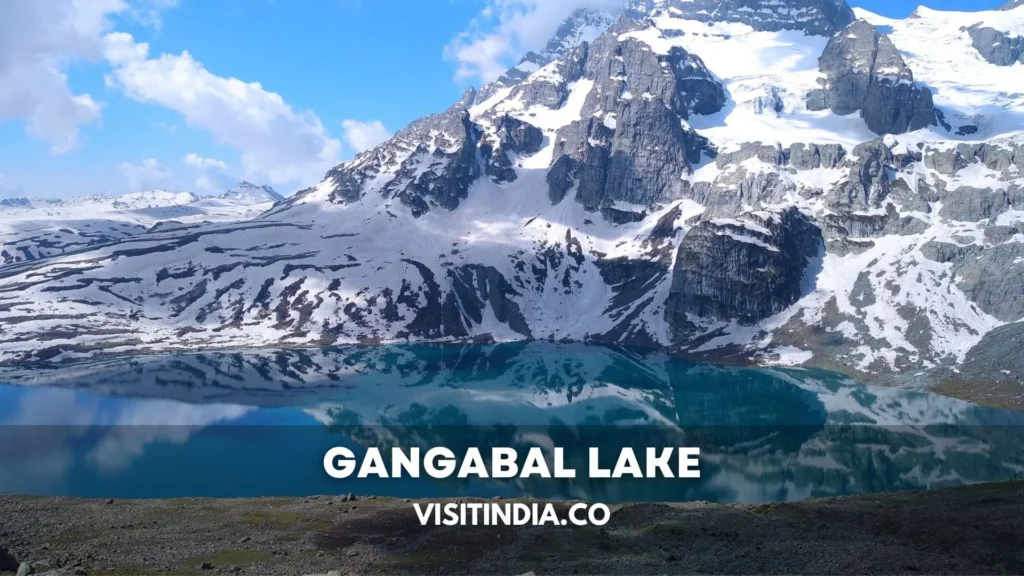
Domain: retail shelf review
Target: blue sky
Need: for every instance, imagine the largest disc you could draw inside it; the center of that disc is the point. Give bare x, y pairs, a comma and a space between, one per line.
85, 107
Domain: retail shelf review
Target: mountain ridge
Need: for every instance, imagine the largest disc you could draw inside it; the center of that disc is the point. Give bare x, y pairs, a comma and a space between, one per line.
664, 185
36, 228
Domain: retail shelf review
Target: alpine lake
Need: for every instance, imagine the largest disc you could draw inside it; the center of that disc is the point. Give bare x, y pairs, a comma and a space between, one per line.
258, 423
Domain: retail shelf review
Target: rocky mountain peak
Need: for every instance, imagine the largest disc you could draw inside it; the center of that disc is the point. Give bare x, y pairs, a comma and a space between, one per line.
818, 17
864, 72
583, 25
249, 193
632, 144
1012, 4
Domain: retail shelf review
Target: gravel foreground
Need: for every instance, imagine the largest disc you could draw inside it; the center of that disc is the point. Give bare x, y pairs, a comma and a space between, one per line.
973, 530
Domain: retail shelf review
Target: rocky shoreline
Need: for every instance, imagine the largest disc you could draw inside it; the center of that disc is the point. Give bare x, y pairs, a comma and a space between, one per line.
972, 530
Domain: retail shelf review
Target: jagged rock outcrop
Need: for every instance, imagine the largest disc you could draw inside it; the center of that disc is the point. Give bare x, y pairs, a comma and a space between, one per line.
996, 46
744, 269
511, 137
736, 189
864, 72
631, 144
820, 17
870, 181
431, 163
801, 156
993, 279
583, 25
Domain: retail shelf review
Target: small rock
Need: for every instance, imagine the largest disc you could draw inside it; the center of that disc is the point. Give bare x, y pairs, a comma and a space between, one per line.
344, 498
206, 566
25, 569
7, 561
352, 553
351, 497
244, 540
111, 501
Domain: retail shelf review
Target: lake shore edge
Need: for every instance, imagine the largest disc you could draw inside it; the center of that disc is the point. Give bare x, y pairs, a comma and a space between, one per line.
975, 529
989, 391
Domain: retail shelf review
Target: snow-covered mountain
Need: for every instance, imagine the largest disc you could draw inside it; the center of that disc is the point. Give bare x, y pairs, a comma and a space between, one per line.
34, 228
248, 193
787, 182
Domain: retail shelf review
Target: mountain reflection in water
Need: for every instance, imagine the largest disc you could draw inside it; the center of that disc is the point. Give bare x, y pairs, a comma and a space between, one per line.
258, 424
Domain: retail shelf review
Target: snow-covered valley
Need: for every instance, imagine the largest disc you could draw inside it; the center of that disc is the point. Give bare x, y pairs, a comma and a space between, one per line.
34, 228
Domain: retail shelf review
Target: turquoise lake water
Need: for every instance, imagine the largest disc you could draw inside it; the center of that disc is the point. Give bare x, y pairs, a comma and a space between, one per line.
258, 424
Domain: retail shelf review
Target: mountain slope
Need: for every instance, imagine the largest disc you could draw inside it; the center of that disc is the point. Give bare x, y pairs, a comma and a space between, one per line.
671, 183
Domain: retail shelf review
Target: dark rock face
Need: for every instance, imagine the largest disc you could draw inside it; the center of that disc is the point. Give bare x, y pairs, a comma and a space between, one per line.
996, 46
477, 286
870, 179
800, 156
993, 279
735, 189
631, 145
864, 72
949, 161
434, 161
747, 269
969, 204
513, 137
453, 166
846, 225
820, 17
519, 137
998, 357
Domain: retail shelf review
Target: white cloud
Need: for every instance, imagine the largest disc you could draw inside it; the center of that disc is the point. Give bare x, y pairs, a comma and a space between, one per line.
199, 163
277, 143
508, 29
38, 38
147, 175
149, 12
212, 176
360, 136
